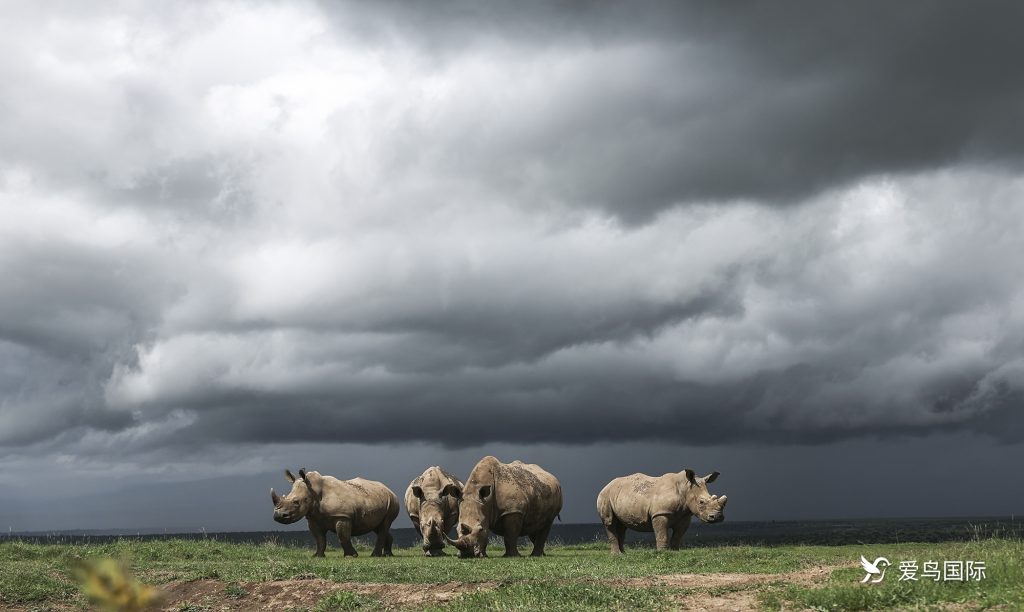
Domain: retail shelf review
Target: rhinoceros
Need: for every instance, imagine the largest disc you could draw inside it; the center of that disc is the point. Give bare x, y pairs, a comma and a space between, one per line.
432, 501
647, 503
346, 507
510, 499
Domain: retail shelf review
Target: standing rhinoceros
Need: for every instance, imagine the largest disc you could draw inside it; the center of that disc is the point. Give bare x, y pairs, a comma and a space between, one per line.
432, 501
346, 507
510, 499
647, 503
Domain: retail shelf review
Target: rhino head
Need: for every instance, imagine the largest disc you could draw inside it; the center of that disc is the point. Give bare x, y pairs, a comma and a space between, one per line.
303, 498
474, 521
702, 504
432, 510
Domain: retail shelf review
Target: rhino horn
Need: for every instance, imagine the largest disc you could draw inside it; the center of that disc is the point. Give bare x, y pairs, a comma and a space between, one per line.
723, 500
461, 543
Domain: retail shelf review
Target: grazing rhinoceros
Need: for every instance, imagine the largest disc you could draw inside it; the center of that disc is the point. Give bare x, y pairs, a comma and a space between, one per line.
647, 503
432, 501
510, 499
346, 507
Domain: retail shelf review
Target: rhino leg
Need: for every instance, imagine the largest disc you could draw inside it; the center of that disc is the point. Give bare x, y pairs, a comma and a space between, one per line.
616, 536
678, 530
512, 525
344, 530
388, 544
660, 525
384, 540
320, 535
539, 539
387, 531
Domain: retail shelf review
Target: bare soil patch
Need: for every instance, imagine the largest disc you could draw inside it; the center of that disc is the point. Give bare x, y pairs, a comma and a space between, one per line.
723, 579
742, 599
718, 591
292, 594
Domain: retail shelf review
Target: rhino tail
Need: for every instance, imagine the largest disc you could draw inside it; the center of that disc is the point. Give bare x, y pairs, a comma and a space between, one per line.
559, 517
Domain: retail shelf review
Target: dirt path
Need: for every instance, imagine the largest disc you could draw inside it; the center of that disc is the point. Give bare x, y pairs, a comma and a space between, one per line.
742, 599
290, 594
717, 591
805, 576
738, 595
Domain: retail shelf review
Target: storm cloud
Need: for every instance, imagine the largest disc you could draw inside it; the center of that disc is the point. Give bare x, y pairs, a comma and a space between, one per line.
229, 223
638, 108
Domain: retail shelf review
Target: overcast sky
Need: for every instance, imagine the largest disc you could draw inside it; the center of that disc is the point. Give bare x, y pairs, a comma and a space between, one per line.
782, 240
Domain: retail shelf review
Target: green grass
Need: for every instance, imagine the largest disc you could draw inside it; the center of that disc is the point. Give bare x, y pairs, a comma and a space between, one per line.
192, 560
343, 600
570, 577
562, 596
21, 585
1002, 586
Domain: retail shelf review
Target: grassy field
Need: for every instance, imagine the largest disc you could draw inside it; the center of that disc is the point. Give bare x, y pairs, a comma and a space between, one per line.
213, 575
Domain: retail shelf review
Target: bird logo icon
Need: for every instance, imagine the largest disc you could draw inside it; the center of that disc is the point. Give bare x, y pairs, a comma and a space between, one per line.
876, 569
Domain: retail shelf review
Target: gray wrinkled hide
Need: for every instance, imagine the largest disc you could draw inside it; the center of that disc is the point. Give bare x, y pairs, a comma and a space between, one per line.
347, 507
511, 500
435, 508
659, 504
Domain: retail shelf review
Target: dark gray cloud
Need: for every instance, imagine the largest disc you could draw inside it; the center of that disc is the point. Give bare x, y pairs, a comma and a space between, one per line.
845, 317
698, 225
906, 477
643, 107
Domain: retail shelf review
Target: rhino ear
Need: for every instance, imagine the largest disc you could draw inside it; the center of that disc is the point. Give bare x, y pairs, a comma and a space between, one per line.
274, 497
418, 492
452, 490
302, 473
485, 491
314, 481
713, 476
690, 475
288, 474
